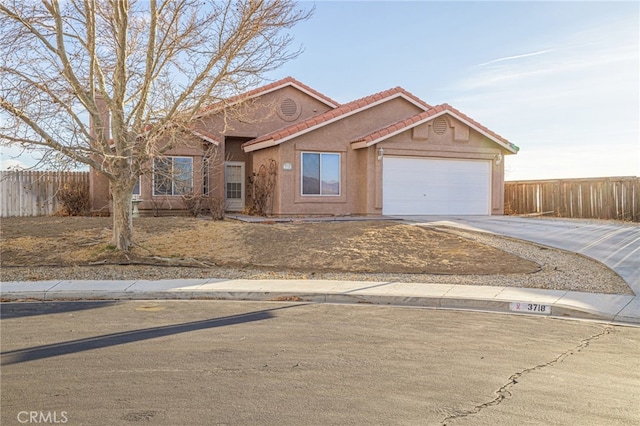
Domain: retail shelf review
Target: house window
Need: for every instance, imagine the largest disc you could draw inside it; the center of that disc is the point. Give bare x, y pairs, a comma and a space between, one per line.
172, 175
205, 175
136, 189
320, 173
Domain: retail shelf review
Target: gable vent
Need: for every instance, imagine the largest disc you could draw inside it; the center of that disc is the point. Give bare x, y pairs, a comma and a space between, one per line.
440, 125
288, 107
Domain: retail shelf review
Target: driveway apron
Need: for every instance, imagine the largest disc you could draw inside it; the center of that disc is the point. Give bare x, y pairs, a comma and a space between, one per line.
615, 245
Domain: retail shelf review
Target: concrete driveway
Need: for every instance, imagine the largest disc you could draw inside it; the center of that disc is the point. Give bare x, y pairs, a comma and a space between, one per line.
616, 245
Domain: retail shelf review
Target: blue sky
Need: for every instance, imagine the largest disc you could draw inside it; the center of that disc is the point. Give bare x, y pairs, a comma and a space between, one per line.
558, 79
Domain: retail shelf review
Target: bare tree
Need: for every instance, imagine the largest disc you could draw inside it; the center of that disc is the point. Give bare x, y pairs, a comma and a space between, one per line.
151, 64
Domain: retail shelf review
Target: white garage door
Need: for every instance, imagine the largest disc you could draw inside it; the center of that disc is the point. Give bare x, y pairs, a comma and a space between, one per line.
435, 186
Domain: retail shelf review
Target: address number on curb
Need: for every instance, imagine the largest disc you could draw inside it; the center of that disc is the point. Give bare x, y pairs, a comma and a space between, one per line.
534, 308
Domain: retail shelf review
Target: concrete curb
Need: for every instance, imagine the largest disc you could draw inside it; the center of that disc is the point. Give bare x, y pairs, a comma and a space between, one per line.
620, 309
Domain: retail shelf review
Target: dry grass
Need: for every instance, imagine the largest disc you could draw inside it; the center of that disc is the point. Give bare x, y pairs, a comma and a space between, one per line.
370, 246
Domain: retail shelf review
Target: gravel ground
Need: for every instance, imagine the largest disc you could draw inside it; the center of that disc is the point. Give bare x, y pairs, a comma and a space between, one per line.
559, 270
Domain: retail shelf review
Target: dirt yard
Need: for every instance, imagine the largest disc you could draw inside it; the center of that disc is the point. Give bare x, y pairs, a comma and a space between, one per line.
367, 246
77, 248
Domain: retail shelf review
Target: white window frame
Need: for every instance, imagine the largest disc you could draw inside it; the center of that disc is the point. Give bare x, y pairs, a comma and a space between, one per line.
302, 174
173, 186
139, 186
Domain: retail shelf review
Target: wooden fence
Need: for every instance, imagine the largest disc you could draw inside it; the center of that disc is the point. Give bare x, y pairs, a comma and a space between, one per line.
33, 193
598, 198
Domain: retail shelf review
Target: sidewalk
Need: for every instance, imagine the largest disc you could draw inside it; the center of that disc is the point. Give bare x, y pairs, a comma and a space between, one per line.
623, 309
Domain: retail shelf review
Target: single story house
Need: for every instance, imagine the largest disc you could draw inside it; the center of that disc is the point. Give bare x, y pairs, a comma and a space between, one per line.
388, 153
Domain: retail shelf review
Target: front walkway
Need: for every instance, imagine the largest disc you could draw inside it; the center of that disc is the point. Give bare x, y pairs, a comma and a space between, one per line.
617, 308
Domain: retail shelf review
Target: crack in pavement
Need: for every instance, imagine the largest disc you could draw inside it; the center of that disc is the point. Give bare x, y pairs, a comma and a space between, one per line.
504, 391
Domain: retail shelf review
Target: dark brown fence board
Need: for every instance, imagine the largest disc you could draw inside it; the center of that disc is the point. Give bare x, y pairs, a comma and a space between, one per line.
33, 193
591, 198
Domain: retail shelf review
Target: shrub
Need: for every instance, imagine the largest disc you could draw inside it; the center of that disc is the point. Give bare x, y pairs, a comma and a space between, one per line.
193, 203
75, 199
508, 210
262, 184
157, 204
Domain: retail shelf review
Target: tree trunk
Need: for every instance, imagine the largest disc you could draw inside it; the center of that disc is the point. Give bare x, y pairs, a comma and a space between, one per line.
122, 217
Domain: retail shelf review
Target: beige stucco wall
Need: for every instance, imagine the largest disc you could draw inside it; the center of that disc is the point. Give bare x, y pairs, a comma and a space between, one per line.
191, 147
261, 116
99, 192
336, 138
362, 172
254, 118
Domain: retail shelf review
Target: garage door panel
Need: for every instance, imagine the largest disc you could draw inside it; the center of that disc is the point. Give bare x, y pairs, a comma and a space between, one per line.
436, 186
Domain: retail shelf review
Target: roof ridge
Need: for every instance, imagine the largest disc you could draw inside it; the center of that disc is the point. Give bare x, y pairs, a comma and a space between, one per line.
335, 113
312, 90
406, 122
389, 92
265, 89
477, 124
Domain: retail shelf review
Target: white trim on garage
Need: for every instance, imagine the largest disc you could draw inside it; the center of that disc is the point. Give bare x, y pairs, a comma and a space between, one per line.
435, 186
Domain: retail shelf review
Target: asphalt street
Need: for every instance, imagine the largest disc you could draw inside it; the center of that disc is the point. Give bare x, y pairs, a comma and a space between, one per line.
270, 363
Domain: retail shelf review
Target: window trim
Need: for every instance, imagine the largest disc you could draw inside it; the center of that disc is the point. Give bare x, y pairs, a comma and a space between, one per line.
139, 186
321, 153
173, 190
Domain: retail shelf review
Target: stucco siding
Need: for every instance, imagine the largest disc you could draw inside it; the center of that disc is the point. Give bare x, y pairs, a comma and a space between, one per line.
356, 168
262, 115
362, 171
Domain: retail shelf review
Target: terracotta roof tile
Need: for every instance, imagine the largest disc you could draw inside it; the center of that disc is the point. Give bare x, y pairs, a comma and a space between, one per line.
342, 110
209, 136
265, 89
480, 126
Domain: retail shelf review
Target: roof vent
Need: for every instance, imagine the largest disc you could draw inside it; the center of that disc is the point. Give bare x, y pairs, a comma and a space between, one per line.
440, 125
289, 109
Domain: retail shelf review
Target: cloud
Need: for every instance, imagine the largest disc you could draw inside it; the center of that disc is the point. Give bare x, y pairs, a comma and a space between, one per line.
510, 58
571, 106
12, 164
13, 157
558, 67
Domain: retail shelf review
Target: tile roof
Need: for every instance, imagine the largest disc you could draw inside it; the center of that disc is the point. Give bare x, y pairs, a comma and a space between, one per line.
206, 136
437, 110
202, 134
287, 81
342, 111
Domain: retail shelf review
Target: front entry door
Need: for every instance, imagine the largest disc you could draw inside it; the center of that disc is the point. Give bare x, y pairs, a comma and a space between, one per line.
234, 185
